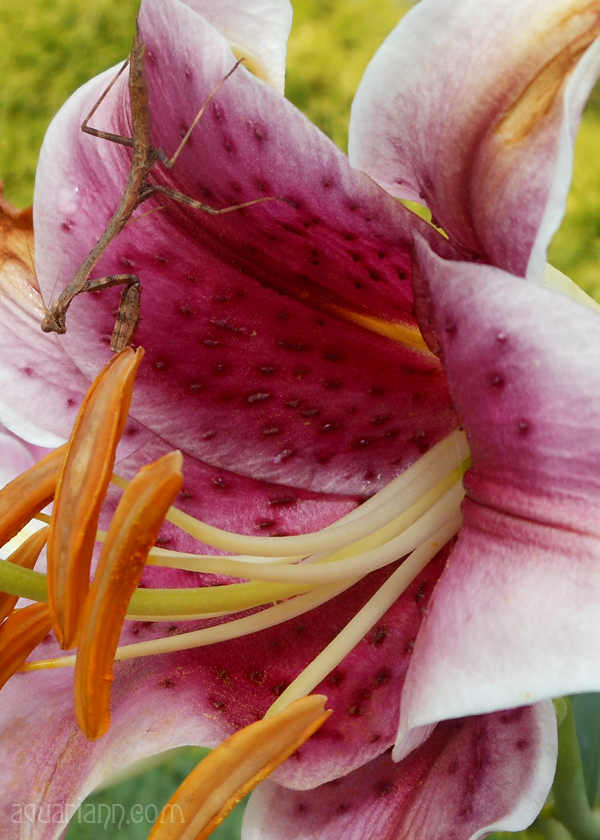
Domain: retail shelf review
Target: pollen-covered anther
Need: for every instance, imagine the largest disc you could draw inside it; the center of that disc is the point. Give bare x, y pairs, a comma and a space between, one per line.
231, 771
131, 534
24, 556
20, 634
29, 493
81, 490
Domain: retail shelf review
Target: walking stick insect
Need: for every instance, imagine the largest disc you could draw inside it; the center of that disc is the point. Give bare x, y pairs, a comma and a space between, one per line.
137, 190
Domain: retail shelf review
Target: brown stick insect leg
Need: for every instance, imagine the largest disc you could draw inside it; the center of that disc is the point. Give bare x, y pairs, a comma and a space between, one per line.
107, 135
128, 313
169, 162
198, 205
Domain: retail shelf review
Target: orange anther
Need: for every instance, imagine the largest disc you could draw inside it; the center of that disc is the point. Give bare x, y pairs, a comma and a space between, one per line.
82, 488
25, 556
29, 493
21, 633
131, 535
231, 771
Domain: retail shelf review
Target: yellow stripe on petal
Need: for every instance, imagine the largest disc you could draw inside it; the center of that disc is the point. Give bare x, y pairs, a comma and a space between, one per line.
24, 556
21, 633
27, 494
231, 771
407, 334
81, 490
131, 535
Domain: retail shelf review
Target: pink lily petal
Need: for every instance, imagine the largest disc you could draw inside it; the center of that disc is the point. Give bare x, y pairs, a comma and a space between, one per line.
40, 387
16, 456
259, 32
245, 316
37, 381
514, 618
202, 696
471, 776
220, 497
272, 367
483, 135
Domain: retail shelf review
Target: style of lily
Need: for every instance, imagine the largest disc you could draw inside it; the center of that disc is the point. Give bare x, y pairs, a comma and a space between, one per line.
284, 360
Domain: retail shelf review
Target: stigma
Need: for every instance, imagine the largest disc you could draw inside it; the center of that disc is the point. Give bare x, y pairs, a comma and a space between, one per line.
404, 525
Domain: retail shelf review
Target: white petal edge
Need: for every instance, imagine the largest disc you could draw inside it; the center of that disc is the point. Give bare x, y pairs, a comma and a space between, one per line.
578, 89
257, 30
529, 807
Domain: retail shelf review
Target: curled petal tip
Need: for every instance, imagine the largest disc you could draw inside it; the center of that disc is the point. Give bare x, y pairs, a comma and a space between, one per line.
17, 271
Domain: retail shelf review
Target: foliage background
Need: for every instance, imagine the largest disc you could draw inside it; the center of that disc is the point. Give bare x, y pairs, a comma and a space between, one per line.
51, 47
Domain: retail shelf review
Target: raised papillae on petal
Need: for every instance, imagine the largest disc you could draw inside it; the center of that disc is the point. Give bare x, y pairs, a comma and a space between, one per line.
81, 490
132, 533
235, 768
280, 338
472, 776
526, 385
486, 145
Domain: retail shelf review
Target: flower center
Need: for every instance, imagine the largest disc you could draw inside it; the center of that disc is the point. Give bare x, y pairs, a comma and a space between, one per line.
411, 518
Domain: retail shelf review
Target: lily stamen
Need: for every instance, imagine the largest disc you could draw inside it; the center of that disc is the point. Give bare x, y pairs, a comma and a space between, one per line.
343, 566
234, 768
132, 532
413, 517
367, 617
29, 493
81, 490
20, 634
287, 610
352, 563
235, 629
399, 495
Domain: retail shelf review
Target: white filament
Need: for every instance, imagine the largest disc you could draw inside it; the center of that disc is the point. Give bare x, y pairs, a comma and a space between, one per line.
385, 506
364, 620
222, 632
354, 567
416, 514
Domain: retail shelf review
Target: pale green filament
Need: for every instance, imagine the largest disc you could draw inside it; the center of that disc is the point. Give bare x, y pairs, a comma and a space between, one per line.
222, 632
164, 604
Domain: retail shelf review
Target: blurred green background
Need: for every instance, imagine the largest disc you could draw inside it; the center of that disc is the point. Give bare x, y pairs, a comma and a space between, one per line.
51, 47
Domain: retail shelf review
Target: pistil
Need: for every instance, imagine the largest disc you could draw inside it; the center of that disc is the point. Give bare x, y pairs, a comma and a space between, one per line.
25, 556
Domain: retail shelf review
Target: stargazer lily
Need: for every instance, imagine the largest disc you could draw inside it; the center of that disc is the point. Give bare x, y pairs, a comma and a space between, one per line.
285, 361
